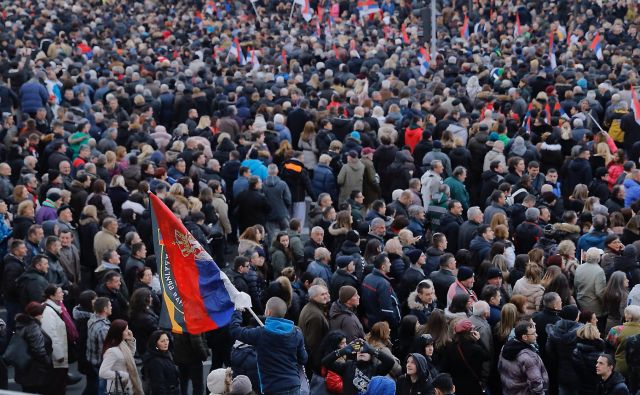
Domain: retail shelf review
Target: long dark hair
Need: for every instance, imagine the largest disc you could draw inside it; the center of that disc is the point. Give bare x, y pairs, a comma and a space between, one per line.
114, 336
154, 337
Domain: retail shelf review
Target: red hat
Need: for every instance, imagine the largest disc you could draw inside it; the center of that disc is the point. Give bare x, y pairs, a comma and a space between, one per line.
549, 90
464, 325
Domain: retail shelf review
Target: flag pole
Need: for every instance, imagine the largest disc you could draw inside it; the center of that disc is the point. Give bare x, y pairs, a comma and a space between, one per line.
255, 316
293, 7
594, 120
254, 8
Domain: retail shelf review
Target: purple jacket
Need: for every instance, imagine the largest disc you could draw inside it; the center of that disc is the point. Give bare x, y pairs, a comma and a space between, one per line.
46, 213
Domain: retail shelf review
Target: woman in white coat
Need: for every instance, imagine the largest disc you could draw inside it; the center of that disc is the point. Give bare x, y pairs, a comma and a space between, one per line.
54, 326
118, 366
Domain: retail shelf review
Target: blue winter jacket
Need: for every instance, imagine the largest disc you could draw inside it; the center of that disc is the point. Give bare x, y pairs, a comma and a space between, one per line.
631, 192
324, 181
33, 95
380, 300
280, 348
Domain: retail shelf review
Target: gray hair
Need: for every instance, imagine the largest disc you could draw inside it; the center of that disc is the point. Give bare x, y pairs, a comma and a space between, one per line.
480, 308
316, 290
532, 214
473, 212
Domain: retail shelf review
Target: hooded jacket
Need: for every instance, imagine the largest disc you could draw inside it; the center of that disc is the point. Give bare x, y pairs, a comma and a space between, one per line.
561, 341
277, 366
422, 385
584, 357
521, 370
419, 309
614, 385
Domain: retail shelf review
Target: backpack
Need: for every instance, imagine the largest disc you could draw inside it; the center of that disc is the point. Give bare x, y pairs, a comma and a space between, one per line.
632, 352
615, 131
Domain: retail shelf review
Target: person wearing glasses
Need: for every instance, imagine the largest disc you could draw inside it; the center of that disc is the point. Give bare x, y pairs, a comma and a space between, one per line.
521, 368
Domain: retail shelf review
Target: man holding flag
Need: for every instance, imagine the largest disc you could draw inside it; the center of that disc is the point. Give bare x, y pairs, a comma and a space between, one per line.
280, 348
198, 297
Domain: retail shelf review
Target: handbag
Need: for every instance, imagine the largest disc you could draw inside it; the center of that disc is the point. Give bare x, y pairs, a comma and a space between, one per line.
117, 387
17, 353
485, 390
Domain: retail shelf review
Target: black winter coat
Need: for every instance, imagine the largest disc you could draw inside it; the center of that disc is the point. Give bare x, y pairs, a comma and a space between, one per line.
560, 344
584, 357
465, 371
161, 373
251, 208
40, 368
143, 324
339, 279
189, 349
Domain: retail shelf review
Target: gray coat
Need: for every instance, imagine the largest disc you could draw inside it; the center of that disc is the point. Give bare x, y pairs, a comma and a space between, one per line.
589, 283
278, 196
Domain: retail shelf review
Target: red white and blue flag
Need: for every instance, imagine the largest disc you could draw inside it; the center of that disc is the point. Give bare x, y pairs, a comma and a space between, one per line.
635, 104
596, 46
405, 36
197, 295
307, 11
236, 50
425, 60
517, 30
366, 7
464, 30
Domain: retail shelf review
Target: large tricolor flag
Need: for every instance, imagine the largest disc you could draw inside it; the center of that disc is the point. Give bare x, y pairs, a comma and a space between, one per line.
596, 46
464, 30
425, 59
635, 104
517, 30
197, 295
366, 7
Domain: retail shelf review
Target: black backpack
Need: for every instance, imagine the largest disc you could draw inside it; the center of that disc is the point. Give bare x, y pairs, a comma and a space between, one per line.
632, 352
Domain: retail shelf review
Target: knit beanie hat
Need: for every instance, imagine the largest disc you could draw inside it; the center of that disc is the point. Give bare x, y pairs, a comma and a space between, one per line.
346, 292
464, 273
343, 261
241, 385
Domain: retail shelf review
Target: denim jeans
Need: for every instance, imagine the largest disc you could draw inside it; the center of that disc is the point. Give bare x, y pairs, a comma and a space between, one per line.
292, 391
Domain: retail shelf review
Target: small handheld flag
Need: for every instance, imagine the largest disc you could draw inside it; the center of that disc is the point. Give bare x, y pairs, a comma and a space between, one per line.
517, 31
405, 36
425, 60
366, 7
283, 54
464, 30
596, 46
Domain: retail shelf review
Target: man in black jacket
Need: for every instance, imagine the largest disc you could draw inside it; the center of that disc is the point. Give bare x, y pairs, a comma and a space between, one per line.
251, 205
32, 283
612, 381
14, 266
240, 267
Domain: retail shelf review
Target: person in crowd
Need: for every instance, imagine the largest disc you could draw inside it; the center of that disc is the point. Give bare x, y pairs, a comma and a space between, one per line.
342, 315
118, 367
611, 381
279, 366
158, 367
35, 378
520, 352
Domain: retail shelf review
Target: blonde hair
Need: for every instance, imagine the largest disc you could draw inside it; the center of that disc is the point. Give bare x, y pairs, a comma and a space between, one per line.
588, 332
22, 207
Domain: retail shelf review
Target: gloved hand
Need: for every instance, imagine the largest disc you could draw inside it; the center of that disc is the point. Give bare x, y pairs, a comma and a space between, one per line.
366, 348
347, 350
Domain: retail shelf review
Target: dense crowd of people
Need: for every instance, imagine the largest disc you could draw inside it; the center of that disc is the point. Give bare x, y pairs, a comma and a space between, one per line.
410, 220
